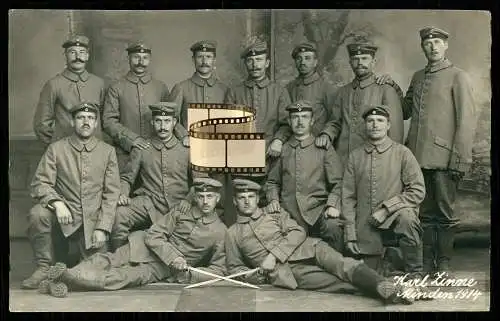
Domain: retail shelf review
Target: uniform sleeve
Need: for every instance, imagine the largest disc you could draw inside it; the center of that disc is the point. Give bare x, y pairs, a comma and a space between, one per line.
43, 120
293, 235
334, 125
230, 97
217, 263
122, 135
274, 180
44, 180
391, 99
408, 100
284, 131
164, 92
234, 259
177, 96
110, 194
158, 235
413, 185
349, 200
130, 171
334, 173
465, 120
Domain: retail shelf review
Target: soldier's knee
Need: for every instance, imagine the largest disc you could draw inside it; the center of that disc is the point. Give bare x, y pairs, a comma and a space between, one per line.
122, 216
40, 216
407, 218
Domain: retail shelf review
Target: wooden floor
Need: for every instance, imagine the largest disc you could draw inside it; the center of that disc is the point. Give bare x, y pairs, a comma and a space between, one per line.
163, 297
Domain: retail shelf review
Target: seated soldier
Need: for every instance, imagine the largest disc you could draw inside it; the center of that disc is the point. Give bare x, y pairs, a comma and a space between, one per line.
288, 258
165, 251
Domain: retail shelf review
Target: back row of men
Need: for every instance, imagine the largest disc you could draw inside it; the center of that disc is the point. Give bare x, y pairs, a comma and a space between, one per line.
375, 185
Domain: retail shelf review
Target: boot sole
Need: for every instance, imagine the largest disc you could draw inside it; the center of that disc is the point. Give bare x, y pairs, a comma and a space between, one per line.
56, 271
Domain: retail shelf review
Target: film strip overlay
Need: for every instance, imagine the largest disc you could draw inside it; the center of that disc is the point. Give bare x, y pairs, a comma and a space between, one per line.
223, 139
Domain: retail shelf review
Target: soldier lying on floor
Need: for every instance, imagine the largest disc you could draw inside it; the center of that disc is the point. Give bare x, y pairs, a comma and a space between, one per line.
289, 259
164, 251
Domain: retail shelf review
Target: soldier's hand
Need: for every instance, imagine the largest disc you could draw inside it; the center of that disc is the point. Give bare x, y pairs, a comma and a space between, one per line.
269, 264
185, 141
332, 212
123, 200
273, 206
322, 141
274, 149
179, 264
383, 79
184, 206
63, 213
378, 217
99, 238
141, 143
352, 246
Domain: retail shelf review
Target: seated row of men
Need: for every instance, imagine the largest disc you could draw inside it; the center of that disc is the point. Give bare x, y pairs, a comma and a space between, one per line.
78, 179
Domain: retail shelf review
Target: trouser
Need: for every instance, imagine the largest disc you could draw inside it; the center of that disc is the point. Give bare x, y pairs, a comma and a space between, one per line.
140, 214
46, 238
113, 271
438, 219
330, 230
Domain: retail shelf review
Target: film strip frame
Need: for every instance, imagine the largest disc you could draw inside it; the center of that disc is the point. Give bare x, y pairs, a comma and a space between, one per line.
198, 131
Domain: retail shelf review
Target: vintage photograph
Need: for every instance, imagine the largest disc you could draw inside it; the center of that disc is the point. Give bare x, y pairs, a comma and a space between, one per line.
252, 160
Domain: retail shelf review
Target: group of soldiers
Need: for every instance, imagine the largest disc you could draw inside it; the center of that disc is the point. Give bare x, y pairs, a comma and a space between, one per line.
340, 182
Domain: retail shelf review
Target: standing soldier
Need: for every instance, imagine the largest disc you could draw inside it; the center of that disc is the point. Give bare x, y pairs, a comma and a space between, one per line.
163, 172
346, 127
311, 86
75, 84
382, 189
443, 121
77, 186
306, 180
126, 115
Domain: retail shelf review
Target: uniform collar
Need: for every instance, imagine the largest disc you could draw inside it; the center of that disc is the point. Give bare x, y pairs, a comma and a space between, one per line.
443, 64
158, 144
365, 82
294, 142
382, 147
84, 76
78, 144
135, 79
261, 84
205, 219
309, 79
202, 81
242, 219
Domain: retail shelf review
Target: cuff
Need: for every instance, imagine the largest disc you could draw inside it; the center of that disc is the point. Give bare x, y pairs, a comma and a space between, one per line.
124, 188
105, 224
393, 204
333, 201
172, 254
459, 164
350, 233
279, 254
272, 195
47, 201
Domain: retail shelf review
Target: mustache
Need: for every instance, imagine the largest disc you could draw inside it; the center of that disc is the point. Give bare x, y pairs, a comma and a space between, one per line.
140, 65
204, 65
77, 60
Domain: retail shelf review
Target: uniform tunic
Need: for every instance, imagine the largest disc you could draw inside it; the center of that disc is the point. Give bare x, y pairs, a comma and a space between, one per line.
52, 119
347, 125
319, 92
85, 178
270, 100
197, 90
386, 175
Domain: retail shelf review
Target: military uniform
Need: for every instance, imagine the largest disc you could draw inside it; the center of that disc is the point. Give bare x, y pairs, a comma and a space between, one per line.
164, 174
306, 180
52, 120
301, 262
383, 176
346, 127
443, 121
314, 88
83, 175
147, 258
126, 115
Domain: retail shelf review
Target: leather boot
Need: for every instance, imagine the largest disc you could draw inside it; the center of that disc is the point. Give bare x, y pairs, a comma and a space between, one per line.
373, 284
429, 239
412, 256
81, 277
445, 248
43, 253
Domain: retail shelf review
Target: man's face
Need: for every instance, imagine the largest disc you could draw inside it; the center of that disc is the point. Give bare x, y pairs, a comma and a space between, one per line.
256, 66
85, 124
434, 49
362, 65
204, 62
377, 126
301, 122
206, 201
76, 57
139, 62
163, 126
306, 62
246, 202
